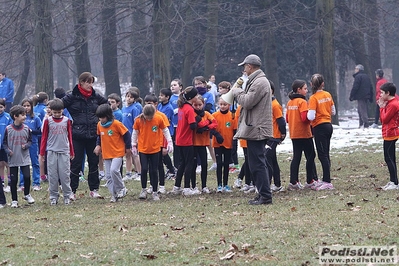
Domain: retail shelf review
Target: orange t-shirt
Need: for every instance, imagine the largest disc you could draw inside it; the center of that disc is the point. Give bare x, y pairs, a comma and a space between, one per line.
277, 113
226, 127
297, 128
321, 102
202, 139
112, 143
149, 134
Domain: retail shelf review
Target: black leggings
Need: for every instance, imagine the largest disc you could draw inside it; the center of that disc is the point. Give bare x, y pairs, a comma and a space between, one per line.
186, 166
322, 137
149, 163
223, 156
245, 169
272, 163
307, 146
14, 180
201, 153
390, 159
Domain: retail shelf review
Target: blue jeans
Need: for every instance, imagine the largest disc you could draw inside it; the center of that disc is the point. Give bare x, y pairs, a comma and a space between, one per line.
34, 158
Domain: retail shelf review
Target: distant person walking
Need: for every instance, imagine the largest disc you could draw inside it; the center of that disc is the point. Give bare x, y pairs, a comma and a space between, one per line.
379, 75
362, 91
6, 90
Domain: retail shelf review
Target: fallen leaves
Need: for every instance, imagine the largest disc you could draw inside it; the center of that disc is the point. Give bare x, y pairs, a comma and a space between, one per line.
177, 228
123, 228
88, 256
234, 250
11, 246
149, 256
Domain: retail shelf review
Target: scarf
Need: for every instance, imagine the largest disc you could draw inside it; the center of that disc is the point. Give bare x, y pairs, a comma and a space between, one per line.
84, 92
202, 90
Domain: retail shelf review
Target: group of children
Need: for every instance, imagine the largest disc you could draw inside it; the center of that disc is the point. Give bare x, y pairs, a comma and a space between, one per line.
184, 122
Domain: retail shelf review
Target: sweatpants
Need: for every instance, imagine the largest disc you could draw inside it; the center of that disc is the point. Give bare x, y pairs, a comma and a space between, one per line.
299, 146
201, 153
34, 158
186, 166
14, 180
113, 175
362, 112
58, 167
258, 167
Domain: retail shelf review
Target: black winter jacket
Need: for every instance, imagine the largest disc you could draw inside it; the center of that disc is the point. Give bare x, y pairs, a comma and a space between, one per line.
362, 88
83, 113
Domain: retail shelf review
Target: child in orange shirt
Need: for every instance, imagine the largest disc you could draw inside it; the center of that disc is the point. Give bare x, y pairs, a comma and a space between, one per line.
201, 141
113, 142
321, 107
146, 140
223, 144
300, 134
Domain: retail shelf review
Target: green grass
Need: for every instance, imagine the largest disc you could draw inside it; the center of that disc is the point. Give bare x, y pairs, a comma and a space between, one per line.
201, 230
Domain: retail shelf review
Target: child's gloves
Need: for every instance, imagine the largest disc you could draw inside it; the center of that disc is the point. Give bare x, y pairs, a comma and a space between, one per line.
218, 137
202, 129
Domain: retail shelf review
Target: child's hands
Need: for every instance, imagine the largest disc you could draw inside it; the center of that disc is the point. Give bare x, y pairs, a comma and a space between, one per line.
11, 153
23, 146
41, 158
128, 151
164, 151
170, 147
134, 150
381, 103
72, 157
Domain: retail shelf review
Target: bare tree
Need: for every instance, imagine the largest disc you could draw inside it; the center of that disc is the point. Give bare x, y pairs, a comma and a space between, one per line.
211, 38
82, 60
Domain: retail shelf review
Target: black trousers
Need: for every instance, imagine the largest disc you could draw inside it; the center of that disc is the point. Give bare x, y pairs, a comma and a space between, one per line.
299, 146
186, 166
149, 163
79, 147
244, 172
271, 158
201, 154
390, 159
14, 180
322, 137
258, 167
223, 157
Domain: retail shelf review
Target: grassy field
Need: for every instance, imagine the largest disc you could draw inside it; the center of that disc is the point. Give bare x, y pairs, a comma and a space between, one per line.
207, 229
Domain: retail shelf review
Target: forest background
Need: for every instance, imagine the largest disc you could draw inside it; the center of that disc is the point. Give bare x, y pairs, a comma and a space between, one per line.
147, 43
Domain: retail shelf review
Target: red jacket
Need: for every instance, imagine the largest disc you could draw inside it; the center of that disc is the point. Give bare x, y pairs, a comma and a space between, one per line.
389, 116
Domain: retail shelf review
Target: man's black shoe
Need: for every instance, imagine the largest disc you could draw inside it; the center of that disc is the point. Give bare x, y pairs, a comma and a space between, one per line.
260, 201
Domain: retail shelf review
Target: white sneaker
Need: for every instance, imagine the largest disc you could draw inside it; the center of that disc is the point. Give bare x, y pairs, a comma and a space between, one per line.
196, 191
122, 193
176, 190
276, 189
101, 175
187, 192
150, 190
155, 196
113, 199
72, 196
127, 177
53, 202
37, 188
14, 204
2, 206
198, 170
390, 186
250, 189
245, 187
136, 177
7, 189
67, 201
162, 190
213, 167
206, 190
237, 183
29, 199
143, 194
95, 194
374, 125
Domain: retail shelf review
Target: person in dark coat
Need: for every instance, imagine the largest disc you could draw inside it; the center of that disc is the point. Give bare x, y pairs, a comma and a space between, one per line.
362, 92
82, 104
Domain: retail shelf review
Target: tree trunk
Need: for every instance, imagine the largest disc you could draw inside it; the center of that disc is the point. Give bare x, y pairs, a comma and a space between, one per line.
62, 73
25, 52
270, 62
325, 50
188, 46
211, 38
43, 47
109, 46
161, 46
82, 59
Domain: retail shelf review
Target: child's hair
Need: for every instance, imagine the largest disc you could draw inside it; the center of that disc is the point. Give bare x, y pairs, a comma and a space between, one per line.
86, 77
148, 110
389, 87
27, 100
316, 80
39, 98
2, 102
225, 85
151, 98
272, 86
115, 96
297, 84
104, 110
202, 80
138, 99
17, 110
187, 94
379, 73
179, 83
132, 93
166, 91
59, 93
199, 97
56, 104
